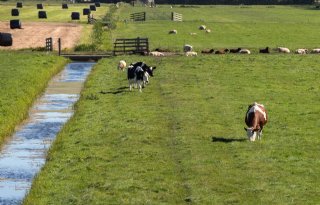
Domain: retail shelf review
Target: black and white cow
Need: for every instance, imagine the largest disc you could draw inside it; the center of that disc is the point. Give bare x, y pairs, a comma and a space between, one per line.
256, 117
138, 74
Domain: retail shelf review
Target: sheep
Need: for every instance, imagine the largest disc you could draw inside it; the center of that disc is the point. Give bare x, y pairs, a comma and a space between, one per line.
266, 50
235, 50
316, 50
208, 31
301, 51
283, 50
156, 53
187, 48
245, 51
202, 27
122, 65
173, 32
207, 51
222, 51
191, 53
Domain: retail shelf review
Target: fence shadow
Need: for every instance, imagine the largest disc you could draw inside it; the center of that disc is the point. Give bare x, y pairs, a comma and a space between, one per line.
226, 140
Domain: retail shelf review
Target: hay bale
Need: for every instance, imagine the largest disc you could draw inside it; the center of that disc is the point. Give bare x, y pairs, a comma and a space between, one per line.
14, 12
75, 16
97, 4
5, 39
86, 11
15, 23
93, 8
64, 6
19, 5
39, 6
42, 14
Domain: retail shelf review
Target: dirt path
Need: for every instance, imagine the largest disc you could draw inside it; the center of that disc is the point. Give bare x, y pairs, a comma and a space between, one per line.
33, 34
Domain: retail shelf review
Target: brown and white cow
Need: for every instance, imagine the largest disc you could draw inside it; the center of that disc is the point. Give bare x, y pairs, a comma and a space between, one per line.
256, 117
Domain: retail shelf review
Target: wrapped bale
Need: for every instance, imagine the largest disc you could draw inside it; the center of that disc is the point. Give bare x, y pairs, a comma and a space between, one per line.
14, 12
64, 6
93, 8
75, 16
97, 4
42, 14
15, 23
39, 6
19, 5
86, 11
5, 39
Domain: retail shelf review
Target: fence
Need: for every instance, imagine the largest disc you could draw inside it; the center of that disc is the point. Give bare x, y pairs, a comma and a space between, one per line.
141, 16
176, 16
131, 46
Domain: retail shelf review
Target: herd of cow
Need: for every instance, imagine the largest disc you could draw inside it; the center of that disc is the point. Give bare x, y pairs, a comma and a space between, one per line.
138, 76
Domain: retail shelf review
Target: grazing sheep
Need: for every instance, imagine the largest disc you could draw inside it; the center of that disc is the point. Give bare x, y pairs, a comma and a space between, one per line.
265, 50
245, 51
207, 51
208, 31
222, 51
316, 50
283, 50
301, 51
173, 32
191, 53
202, 27
122, 65
235, 50
187, 48
156, 53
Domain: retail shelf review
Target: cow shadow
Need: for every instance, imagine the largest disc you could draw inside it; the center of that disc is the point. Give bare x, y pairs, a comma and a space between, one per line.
117, 91
226, 140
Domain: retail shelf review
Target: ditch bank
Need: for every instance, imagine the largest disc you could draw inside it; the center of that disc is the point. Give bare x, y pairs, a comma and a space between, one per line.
24, 154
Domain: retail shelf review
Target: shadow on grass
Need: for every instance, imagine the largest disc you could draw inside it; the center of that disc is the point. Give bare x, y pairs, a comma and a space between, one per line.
226, 140
118, 91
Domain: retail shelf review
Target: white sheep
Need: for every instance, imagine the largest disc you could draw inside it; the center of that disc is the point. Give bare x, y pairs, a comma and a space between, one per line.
245, 51
122, 65
156, 53
208, 30
316, 50
191, 53
301, 51
283, 50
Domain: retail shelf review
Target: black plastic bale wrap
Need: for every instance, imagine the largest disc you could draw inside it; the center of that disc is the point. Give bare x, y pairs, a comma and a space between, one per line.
64, 6
15, 23
97, 4
93, 8
75, 16
86, 11
14, 12
5, 39
39, 6
42, 14
19, 5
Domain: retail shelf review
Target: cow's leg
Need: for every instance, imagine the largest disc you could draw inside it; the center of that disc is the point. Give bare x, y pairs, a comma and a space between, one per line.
139, 83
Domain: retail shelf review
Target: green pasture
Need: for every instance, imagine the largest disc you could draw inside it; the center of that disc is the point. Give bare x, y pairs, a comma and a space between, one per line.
251, 27
55, 13
23, 76
181, 141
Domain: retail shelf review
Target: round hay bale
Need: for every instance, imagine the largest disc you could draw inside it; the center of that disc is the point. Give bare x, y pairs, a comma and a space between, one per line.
15, 23
19, 5
42, 14
14, 12
64, 6
93, 8
39, 6
5, 39
97, 4
86, 11
75, 16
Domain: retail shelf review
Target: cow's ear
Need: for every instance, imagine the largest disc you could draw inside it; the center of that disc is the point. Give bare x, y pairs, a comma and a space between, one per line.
245, 129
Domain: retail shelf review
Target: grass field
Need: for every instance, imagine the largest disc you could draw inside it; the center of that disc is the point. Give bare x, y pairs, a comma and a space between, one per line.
232, 26
23, 76
55, 13
182, 141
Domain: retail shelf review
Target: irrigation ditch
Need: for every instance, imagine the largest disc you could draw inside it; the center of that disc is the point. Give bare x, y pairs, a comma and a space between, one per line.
22, 157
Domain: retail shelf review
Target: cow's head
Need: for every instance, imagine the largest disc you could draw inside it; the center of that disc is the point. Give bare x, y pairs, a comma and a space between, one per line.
251, 133
149, 70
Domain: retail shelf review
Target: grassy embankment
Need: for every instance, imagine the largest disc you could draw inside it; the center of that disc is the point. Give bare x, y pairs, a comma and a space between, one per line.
23, 76
182, 139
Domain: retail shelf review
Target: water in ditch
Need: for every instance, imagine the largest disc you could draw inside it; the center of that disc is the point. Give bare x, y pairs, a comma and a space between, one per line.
22, 157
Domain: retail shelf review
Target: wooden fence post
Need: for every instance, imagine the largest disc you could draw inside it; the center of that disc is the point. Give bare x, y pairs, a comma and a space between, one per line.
59, 46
